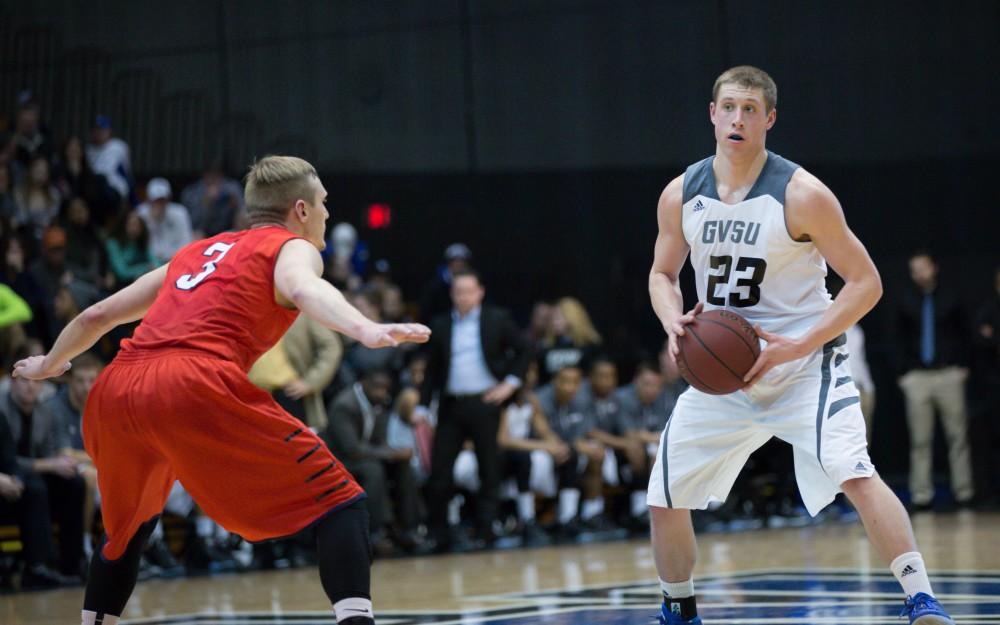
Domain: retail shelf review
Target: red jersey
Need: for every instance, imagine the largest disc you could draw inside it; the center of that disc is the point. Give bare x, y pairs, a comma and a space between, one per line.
218, 299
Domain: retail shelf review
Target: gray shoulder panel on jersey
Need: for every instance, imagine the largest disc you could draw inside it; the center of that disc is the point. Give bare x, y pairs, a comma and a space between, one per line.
699, 179
773, 178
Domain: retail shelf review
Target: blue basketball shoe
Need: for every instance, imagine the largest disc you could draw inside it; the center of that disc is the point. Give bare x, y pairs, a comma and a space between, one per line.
923, 609
667, 617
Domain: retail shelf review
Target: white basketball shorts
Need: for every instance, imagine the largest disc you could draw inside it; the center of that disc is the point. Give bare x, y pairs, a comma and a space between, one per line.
815, 408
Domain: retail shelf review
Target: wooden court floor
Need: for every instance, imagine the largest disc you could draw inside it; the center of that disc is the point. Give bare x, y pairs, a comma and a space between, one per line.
821, 574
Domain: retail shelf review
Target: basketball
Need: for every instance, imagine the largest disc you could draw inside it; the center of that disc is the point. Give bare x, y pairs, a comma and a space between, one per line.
716, 351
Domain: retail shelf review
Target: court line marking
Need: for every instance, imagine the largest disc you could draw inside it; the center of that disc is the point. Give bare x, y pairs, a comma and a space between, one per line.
533, 603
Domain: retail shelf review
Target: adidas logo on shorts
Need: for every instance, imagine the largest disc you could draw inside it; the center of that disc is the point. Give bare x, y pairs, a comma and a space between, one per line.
908, 570
860, 467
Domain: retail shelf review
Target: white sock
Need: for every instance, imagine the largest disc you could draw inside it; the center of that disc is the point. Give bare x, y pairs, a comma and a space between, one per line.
639, 506
591, 508
353, 607
569, 499
526, 507
89, 617
678, 590
204, 527
909, 569
157, 533
455, 510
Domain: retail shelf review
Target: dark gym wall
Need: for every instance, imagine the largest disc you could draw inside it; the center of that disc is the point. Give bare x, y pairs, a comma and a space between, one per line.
541, 132
458, 85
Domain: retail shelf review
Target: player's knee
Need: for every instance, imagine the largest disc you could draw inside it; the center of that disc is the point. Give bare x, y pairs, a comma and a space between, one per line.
667, 517
859, 487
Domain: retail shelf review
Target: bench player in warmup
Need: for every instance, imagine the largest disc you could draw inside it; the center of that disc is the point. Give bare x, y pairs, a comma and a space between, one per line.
176, 402
760, 231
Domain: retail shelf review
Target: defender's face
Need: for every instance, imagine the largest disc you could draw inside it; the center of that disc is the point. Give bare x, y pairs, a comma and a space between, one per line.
315, 223
740, 118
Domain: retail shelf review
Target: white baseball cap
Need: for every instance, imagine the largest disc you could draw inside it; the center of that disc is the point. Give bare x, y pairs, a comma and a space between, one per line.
158, 189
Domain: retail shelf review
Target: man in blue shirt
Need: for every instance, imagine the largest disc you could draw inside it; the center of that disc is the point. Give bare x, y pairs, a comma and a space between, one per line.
476, 360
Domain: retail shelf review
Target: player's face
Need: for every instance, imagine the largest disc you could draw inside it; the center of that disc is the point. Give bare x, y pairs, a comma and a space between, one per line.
317, 216
740, 118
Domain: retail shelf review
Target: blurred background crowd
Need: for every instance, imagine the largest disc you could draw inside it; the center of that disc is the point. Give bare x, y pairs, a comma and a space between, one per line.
533, 414
498, 433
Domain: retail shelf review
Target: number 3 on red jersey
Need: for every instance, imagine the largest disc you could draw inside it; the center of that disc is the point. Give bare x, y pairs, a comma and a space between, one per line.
188, 282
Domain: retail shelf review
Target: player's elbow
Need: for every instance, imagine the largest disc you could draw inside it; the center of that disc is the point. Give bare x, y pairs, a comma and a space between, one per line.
658, 278
95, 317
875, 287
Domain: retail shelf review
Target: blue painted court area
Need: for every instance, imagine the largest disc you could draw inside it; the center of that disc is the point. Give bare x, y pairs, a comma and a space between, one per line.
787, 597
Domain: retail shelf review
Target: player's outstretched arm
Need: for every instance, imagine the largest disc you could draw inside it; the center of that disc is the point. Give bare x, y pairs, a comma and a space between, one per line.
669, 254
127, 305
298, 283
813, 210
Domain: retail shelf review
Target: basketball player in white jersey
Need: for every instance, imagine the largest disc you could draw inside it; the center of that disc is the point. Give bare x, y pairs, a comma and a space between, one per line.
760, 231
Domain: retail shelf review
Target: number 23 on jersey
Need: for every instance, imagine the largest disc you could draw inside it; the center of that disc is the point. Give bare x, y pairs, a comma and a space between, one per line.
751, 297
217, 251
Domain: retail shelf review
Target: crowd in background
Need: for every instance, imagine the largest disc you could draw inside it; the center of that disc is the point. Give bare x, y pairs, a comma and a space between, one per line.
492, 435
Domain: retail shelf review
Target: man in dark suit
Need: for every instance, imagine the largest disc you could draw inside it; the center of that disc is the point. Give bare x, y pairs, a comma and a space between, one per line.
359, 421
933, 337
477, 358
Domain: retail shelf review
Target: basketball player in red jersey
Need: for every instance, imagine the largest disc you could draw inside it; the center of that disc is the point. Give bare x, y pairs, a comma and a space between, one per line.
176, 403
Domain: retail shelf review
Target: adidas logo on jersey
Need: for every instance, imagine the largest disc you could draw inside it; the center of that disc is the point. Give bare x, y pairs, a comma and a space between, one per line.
908, 570
698, 206
860, 467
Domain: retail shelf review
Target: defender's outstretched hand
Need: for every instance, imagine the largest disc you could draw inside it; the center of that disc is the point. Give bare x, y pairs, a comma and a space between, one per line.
33, 368
392, 334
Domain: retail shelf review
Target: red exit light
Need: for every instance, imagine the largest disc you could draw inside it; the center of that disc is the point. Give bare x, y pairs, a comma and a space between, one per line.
379, 216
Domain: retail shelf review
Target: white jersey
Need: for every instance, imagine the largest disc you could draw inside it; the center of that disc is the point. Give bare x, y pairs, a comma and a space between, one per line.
743, 256
746, 261
519, 420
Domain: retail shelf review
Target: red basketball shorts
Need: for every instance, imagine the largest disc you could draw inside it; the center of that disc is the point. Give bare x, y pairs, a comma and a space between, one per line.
156, 417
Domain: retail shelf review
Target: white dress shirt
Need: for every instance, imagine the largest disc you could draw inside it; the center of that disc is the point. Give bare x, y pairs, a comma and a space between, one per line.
468, 373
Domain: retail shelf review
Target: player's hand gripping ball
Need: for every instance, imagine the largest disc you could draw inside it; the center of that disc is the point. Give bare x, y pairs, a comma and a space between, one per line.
716, 351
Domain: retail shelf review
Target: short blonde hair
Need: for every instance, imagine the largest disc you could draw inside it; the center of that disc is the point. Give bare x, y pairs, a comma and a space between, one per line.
749, 77
274, 184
